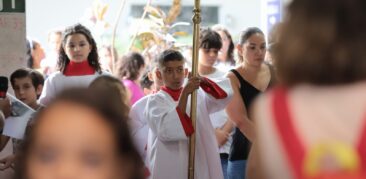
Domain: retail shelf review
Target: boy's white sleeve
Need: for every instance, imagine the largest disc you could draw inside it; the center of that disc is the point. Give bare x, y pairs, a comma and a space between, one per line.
164, 120
213, 104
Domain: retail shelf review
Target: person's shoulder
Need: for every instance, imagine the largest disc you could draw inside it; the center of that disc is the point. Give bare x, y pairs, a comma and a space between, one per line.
161, 97
232, 76
142, 101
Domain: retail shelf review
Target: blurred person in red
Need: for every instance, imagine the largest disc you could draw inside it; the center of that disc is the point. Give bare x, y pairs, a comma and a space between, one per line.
314, 124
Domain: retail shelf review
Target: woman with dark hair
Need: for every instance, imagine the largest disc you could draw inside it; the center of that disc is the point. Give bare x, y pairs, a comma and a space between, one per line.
249, 79
78, 63
226, 59
79, 136
129, 69
313, 125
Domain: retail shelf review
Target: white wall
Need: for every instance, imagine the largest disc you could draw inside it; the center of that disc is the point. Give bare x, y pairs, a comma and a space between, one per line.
235, 14
43, 15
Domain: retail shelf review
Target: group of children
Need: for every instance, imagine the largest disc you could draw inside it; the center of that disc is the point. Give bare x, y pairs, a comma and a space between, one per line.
88, 132
160, 121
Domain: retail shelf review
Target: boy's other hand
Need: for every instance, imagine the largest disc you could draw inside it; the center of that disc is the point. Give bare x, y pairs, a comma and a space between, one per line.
5, 107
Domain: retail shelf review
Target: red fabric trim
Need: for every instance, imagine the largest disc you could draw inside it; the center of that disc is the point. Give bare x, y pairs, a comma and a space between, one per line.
361, 147
293, 146
2, 94
212, 88
186, 122
147, 172
175, 94
79, 69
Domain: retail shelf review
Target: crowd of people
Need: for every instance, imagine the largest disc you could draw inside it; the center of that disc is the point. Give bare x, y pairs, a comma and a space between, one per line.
292, 107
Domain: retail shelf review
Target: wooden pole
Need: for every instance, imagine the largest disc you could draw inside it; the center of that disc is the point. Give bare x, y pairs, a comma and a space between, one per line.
196, 31
122, 5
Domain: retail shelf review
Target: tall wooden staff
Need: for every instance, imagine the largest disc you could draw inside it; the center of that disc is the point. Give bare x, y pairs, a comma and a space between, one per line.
122, 5
196, 31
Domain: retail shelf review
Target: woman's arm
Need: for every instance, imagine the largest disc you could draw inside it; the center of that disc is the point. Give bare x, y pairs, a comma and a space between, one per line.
237, 112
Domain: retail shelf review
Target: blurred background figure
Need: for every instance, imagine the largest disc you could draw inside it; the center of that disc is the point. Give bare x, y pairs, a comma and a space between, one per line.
113, 88
106, 59
49, 64
270, 56
36, 54
129, 70
226, 59
315, 123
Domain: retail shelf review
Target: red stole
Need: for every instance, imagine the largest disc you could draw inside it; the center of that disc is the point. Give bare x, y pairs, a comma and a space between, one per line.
79, 69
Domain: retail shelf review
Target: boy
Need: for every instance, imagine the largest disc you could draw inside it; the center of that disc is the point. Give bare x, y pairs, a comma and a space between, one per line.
27, 85
170, 126
209, 46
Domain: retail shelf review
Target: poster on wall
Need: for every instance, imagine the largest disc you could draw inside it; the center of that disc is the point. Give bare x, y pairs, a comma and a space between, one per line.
12, 36
272, 14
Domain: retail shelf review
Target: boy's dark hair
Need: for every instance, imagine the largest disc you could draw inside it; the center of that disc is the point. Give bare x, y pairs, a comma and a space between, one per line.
169, 55
128, 67
36, 77
93, 57
114, 117
209, 39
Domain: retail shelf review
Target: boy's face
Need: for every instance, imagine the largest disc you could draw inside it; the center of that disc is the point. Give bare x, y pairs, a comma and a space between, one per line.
208, 57
25, 91
172, 74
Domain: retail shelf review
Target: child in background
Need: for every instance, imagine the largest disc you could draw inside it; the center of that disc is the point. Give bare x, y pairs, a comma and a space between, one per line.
37, 53
170, 126
129, 70
225, 60
49, 64
27, 85
209, 46
78, 63
106, 58
111, 87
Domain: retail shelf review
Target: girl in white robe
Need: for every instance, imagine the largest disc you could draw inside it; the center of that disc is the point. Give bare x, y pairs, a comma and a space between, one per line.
78, 63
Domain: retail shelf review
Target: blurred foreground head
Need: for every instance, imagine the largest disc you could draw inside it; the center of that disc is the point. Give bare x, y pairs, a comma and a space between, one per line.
322, 42
79, 136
